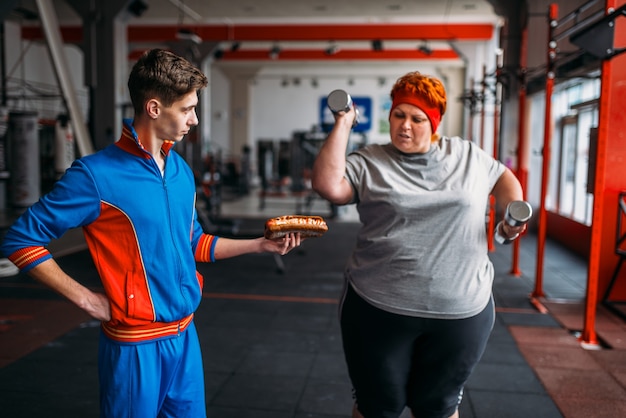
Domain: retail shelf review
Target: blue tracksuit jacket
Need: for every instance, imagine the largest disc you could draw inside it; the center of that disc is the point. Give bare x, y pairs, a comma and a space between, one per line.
141, 229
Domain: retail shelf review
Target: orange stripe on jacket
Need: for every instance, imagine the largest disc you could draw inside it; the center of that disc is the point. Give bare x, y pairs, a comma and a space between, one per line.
205, 251
25, 256
146, 332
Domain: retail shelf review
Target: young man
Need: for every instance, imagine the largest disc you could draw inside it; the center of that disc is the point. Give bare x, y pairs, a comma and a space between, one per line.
135, 201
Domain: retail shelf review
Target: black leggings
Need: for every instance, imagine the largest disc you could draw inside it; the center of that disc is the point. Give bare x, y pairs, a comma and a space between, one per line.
396, 361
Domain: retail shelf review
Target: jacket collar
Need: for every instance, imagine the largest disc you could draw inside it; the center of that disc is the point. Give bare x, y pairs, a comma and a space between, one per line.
129, 141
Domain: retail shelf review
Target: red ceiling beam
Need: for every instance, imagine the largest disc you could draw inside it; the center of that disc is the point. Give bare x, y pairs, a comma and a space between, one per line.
305, 54
70, 34
316, 55
162, 33
319, 32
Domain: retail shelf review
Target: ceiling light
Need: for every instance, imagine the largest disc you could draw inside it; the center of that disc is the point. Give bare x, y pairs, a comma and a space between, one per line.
425, 49
331, 50
24, 13
274, 52
137, 7
188, 35
186, 10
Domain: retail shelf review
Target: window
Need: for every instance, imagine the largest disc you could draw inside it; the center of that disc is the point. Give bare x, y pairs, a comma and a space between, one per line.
575, 111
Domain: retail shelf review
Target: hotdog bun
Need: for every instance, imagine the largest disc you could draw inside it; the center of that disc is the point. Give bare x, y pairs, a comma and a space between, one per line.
307, 226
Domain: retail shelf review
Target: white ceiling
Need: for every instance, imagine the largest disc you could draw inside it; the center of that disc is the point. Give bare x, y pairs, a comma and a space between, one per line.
342, 11
235, 14
293, 11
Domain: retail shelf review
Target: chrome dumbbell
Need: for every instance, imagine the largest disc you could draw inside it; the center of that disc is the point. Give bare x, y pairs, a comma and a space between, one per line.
340, 101
517, 213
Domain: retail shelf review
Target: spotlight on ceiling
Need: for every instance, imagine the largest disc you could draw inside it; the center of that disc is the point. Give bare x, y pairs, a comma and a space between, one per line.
24, 13
137, 7
188, 35
218, 53
377, 45
274, 52
425, 49
331, 50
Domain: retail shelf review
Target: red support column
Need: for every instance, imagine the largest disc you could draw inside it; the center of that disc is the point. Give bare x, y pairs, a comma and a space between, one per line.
483, 113
497, 104
470, 121
609, 179
522, 152
496, 137
547, 138
482, 109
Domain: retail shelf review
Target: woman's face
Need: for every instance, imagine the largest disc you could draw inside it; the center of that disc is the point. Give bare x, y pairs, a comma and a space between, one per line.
410, 129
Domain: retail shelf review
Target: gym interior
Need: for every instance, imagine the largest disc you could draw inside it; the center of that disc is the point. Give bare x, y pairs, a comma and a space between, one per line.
537, 84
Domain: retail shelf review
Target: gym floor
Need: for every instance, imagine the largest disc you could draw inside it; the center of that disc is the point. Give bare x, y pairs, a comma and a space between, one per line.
270, 336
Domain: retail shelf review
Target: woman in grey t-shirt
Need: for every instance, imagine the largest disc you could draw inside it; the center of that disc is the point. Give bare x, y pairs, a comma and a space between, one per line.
418, 310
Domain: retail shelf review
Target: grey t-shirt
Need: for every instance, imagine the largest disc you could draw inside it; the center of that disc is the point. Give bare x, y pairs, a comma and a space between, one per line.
422, 249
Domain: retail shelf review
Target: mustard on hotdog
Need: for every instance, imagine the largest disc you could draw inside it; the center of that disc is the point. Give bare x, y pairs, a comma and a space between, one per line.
307, 226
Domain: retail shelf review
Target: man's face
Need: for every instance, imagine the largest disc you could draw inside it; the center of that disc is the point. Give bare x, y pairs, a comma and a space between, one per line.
175, 121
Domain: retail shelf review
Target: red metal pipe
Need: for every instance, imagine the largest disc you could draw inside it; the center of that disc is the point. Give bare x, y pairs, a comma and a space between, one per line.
496, 137
547, 138
496, 108
491, 225
496, 134
482, 108
522, 164
588, 336
470, 121
490, 217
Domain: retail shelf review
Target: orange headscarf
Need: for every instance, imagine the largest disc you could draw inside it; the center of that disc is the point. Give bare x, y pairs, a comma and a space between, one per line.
422, 91
433, 114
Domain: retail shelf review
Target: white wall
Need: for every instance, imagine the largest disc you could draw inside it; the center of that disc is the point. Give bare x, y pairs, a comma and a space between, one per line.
270, 110
30, 73
219, 116
275, 110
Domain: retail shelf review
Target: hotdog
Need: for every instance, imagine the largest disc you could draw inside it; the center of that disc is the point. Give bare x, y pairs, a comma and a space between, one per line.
307, 226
